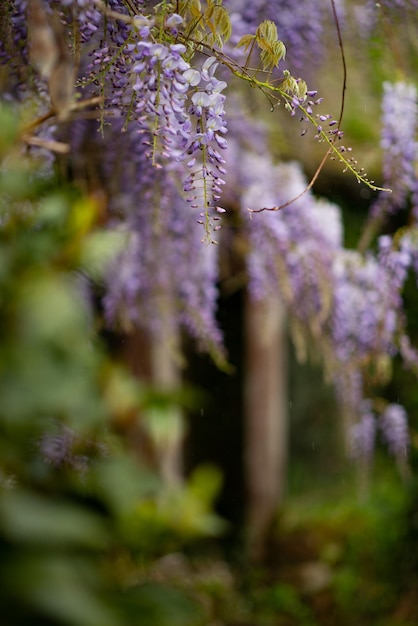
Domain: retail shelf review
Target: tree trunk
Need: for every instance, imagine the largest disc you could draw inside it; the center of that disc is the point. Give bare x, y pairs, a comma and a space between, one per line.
266, 417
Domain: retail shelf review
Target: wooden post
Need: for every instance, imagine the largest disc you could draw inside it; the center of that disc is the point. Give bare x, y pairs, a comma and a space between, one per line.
266, 417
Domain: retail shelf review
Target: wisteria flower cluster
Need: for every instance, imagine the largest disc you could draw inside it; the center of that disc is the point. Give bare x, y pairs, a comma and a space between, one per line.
399, 144
152, 284
366, 307
351, 302
145, 119
181, 119
287, 250
368, 325
67, 449
392, 423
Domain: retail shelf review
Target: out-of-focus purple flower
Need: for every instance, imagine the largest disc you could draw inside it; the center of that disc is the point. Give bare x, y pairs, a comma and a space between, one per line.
153, 282
408, 352
66, 448
57, 449
13, 30
369, 14
363, 434
401, 4
367, 302
290, 251
394, 426
400, 148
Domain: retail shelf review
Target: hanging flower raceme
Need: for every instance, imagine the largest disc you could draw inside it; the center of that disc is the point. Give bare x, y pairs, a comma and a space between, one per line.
204, 159
391, 421
368, 302
367, 329
400, 147
184, 115
87, 15
161, 234
351, 302
160, 108
363, 433
394, 426
178, 109
290, 251
367, 305
159, 72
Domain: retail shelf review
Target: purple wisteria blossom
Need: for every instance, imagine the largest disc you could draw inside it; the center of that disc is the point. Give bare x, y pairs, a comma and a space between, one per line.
66, 448
363, 434
156, 149
392, 423
363, 320
164, 273
350, 301
394, 426
399, 144
367, 300
182, 119
368, 327
369, 14
84, 12
13, 30
205, 160
161, 72
151, 143
290, 250
154, 282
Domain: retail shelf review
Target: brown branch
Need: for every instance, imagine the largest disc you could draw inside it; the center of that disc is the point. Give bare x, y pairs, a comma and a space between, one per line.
75, 106
47, 144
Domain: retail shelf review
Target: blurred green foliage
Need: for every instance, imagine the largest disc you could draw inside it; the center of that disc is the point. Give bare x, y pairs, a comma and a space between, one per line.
281, 605
68, 521
367, 549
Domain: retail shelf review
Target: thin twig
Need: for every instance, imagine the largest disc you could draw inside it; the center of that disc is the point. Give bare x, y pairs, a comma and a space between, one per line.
341, 45
47, 144
333, 140
302, 193
75, 106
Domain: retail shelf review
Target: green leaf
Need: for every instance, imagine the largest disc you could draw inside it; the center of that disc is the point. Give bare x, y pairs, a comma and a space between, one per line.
122, 483
9, 127
98, 249
158, 605
279, 50
266, 34
63, 588
205, 483
245, 41
31, 518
